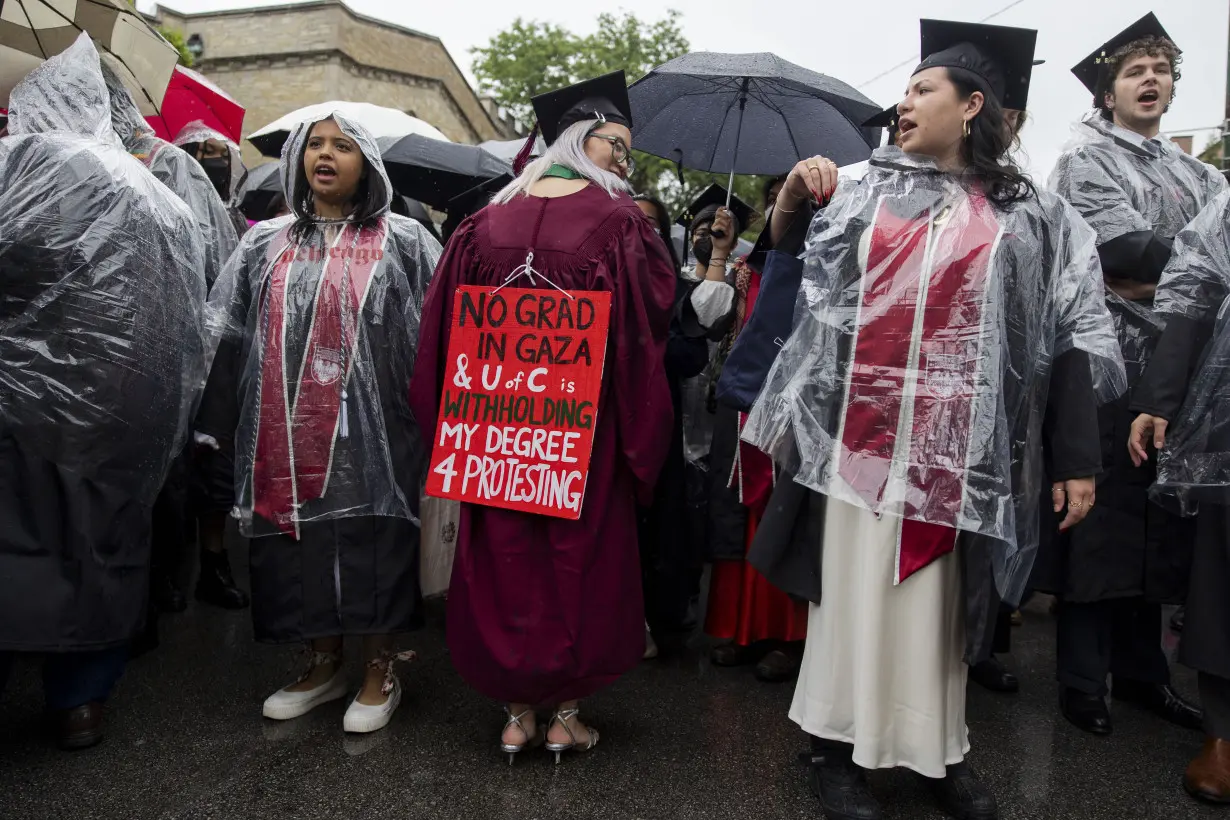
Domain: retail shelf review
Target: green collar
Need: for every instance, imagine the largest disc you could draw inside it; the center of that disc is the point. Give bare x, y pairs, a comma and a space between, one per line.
562, 171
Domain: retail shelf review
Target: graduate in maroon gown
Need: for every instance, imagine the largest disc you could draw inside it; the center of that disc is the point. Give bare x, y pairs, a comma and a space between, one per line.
545, 611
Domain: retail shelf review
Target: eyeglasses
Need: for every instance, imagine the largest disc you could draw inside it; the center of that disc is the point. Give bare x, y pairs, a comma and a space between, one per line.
619, 151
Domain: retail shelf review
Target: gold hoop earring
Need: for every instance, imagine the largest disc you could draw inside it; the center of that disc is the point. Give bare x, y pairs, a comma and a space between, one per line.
965, 128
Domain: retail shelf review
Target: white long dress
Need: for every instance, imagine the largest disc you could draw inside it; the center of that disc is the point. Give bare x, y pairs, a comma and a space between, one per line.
883, 667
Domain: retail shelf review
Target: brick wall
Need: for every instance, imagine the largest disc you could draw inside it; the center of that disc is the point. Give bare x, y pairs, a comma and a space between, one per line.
276, 60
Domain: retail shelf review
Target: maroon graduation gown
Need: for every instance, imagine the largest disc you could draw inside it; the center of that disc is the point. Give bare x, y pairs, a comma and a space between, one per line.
543, 610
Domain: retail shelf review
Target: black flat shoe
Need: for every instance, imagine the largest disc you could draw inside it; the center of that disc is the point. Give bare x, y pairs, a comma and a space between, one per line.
731, 654
1162, 700
1085, 711
840, 784
963, 796
992, 674
216, 586
778, 667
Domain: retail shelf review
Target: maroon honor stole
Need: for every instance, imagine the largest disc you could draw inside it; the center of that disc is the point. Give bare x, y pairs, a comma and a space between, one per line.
915, 358
295, 439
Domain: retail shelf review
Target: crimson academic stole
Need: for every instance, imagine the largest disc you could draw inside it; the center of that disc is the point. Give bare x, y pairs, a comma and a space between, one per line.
915, 358
295, 439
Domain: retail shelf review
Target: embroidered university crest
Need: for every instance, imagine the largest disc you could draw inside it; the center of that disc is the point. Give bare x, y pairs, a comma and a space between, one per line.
945, 375
326, 366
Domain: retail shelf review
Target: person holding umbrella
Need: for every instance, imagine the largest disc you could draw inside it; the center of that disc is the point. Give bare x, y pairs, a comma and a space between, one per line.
951, 316
546, 611
757, 623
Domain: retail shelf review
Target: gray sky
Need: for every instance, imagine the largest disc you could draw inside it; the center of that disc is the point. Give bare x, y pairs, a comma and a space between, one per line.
855, 41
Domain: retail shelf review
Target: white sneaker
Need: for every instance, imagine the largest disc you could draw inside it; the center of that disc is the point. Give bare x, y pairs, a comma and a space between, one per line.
362, 718
284, 705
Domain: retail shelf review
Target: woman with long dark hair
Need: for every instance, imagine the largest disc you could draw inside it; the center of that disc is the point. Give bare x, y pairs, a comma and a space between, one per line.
943, 295
317, 316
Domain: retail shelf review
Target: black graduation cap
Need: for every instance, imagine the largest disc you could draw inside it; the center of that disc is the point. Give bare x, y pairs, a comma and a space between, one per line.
1003, 56
1089, 70
602, 98
886, 119
714, 197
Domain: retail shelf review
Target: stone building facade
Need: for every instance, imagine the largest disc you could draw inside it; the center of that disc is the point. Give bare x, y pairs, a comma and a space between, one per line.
275, 59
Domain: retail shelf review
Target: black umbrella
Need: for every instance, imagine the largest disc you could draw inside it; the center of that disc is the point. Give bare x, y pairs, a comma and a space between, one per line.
433, 171
748, 114
261, 185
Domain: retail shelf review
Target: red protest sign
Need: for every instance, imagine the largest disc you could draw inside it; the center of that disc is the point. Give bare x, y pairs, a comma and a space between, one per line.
520, 399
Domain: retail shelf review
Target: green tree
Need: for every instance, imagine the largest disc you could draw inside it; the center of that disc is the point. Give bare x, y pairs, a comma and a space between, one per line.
1212, 152
532, 57
176, 38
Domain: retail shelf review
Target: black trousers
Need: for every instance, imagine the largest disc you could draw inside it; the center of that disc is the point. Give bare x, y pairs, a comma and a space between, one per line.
1122, 637
173, 529
1001, 642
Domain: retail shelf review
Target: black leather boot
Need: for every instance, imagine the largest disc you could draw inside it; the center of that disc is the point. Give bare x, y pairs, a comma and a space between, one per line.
216, 586
963, 796
840, 783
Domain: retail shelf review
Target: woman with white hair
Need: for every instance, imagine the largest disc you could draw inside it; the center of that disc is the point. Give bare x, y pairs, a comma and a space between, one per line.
545, 611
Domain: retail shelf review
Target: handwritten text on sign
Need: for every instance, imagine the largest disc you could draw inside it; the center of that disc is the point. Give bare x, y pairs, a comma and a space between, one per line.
520, 399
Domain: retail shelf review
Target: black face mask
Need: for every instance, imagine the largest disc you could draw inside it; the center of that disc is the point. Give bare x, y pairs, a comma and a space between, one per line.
702, 249
218, 169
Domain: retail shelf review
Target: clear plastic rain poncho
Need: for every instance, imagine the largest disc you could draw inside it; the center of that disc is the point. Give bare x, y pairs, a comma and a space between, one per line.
178, 171
101, 293
318, 329
1196, 285
915, 380
197, 132
1121, 182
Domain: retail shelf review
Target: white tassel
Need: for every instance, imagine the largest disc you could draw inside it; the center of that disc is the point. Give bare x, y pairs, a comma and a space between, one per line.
736, 468
345, 417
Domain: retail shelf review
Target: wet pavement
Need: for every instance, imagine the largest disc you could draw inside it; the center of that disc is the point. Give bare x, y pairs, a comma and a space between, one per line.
680, 739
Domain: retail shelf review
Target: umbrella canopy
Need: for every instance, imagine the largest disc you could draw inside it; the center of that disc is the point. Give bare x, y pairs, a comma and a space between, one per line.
192, 98
747, 114
380, 121
507, 150
33, 30
435, 172
261, 185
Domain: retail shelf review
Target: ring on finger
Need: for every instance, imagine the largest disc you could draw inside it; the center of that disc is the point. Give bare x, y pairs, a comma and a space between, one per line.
1058, 490
1076, 505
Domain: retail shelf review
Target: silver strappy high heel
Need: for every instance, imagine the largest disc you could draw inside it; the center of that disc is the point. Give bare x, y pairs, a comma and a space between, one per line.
572, 744
531, 741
